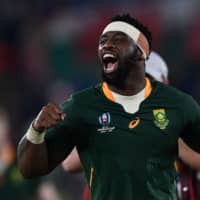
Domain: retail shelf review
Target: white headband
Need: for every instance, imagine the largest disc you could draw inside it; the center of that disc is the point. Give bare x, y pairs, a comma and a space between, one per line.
132, 32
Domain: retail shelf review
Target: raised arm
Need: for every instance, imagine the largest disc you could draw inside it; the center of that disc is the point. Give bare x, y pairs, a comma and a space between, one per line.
35, 158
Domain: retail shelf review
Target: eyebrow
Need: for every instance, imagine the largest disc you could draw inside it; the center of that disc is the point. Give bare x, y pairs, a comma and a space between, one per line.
118, 33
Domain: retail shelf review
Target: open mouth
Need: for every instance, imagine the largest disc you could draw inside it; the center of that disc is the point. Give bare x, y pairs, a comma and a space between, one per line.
110, 62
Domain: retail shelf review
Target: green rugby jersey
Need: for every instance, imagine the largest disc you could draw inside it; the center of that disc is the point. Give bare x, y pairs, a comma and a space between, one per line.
128, 156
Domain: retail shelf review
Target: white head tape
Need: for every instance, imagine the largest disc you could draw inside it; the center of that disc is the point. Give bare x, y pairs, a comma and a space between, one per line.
132, 32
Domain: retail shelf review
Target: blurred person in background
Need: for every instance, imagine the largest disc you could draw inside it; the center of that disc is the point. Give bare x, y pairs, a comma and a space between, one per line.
7, 150
48, 191
12, 184
109, 124
157, 69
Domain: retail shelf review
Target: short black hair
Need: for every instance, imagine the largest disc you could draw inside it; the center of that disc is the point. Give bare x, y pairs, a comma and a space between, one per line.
130, 20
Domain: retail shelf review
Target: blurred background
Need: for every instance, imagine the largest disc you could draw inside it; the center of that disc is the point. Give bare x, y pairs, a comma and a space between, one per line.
48, 49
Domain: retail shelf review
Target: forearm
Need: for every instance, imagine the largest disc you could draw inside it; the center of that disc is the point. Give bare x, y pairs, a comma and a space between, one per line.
45, 144
32, 159
189, 156
72, 163
192, 160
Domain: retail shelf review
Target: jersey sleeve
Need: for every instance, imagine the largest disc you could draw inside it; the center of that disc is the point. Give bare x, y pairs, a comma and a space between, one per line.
63, 136
191, 132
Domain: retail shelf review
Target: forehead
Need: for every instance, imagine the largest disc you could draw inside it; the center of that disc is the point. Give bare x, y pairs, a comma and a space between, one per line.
114, 33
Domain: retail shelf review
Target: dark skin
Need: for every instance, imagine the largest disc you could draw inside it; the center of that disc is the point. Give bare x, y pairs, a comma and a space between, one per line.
126, 77
35, 159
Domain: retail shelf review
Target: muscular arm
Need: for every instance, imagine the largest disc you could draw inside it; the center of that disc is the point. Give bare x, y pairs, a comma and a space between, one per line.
188, 156
39, 159
32, 158
72, 163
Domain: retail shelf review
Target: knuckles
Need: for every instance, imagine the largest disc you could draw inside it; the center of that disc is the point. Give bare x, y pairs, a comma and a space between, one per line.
44, 119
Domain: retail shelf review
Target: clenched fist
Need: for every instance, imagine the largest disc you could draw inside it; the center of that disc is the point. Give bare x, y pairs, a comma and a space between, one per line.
48, 117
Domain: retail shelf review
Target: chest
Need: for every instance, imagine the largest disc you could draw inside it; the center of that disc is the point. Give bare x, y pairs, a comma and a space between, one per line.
150, 131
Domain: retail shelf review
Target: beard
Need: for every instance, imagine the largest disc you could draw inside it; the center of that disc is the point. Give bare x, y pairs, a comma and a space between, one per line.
118, 77
126, 65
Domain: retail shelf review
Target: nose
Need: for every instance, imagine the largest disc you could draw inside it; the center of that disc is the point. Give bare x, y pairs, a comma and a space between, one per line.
109, 43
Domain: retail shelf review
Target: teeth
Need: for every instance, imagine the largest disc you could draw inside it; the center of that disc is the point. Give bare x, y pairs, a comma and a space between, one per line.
108, 55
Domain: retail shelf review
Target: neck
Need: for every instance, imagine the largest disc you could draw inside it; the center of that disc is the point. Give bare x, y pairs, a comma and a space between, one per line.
129, 87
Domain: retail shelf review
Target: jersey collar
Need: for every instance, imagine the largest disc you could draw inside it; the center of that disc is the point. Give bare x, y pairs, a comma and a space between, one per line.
108, 93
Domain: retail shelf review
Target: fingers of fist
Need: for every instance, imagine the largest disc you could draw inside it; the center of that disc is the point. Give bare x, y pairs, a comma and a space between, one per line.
48, 116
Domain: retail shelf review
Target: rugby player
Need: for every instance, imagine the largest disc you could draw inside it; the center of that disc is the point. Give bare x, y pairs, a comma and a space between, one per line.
126, 128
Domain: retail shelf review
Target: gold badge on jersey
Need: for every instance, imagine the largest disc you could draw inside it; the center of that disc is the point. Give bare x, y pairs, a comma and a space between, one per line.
134, 123
160, 117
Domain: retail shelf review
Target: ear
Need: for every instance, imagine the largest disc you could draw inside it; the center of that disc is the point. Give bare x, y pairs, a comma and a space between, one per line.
138, 55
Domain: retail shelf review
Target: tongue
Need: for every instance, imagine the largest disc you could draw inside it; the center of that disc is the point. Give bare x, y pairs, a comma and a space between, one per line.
110, 67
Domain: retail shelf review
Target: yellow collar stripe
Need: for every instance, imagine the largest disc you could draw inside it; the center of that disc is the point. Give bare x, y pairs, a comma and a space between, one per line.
148, 88
108, 93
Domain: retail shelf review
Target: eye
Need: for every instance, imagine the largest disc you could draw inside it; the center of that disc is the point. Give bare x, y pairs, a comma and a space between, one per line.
102, 40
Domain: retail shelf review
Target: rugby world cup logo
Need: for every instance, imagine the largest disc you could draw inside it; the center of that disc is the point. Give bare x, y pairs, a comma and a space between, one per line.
104, 121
